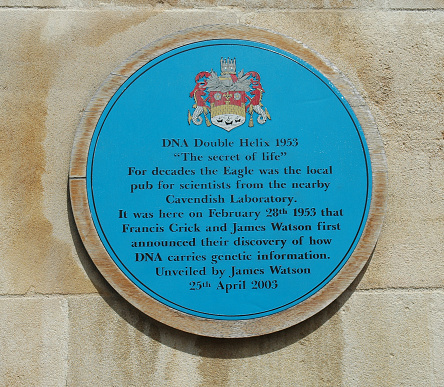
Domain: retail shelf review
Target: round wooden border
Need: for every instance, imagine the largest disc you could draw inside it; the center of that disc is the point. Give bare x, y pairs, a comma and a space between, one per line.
175, 318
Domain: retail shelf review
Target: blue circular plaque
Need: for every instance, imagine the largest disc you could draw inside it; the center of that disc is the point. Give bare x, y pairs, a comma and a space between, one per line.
228, 179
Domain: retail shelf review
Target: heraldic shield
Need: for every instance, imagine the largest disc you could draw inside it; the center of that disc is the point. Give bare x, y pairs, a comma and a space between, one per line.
227, 98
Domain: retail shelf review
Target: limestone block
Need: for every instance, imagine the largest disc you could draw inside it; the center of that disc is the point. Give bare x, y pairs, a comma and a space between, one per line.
437, 345
388, 336
112, 343
373, 338
288, 4
33, 341
252, 4
409, 251
249, 4
415, 4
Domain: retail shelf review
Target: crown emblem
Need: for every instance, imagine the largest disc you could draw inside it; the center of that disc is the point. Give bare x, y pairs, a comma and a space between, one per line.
227, 66
225, 100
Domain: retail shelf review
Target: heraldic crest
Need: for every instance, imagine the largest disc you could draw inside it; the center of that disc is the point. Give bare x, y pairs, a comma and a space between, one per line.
228, 97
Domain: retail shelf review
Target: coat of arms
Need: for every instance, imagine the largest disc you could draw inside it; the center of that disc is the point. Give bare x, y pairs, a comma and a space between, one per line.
228, 97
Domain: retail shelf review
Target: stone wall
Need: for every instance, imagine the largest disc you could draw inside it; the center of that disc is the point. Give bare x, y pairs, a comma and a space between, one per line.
62, 324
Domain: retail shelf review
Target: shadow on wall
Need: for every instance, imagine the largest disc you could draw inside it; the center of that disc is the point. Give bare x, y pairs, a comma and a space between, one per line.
199, 345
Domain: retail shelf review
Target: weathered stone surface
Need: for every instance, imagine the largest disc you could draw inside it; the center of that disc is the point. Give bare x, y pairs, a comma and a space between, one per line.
387, 339
414, 4
112, 343
33, 341
289, 4
373, 338
406, 254
109, 341
248, 4
437, 345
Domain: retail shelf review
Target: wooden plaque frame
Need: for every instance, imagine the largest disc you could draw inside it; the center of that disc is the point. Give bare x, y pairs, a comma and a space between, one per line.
175, 318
